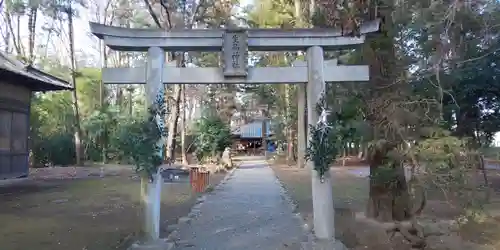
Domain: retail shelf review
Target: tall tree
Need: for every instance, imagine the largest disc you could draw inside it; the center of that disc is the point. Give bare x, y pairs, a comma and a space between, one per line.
66, 10
33, 6
13, 11
70, 12
389, 200
384, 109
279, 98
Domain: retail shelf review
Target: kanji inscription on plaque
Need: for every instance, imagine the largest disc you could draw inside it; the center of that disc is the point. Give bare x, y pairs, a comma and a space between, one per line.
235, 53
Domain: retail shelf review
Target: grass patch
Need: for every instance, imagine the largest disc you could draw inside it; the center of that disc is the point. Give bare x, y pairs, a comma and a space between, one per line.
351, 195
92, 214
348, 191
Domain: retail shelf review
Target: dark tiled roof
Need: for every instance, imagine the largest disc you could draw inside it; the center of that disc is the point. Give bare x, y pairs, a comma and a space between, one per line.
14, 71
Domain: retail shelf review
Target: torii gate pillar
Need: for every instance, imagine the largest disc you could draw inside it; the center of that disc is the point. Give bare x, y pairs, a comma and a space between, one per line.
154, 98
322, 196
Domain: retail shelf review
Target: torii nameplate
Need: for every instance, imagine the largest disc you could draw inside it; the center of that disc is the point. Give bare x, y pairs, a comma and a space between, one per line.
234, 50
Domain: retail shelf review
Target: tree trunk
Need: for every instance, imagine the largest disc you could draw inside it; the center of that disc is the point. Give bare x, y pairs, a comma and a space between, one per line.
183, 126
78, 132
7, 35
172, 125
389, 203
264, 136
344, 156
103, 104
389, 197
31, 36
289, 129
301, 98
130, 108
290, 147
20, 43
15, 41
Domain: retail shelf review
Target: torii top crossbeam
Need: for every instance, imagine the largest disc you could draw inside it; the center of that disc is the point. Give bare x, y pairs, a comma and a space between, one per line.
127, 39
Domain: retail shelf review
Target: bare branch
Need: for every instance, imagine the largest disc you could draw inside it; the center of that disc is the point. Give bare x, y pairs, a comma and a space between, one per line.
153, 14
8, 21
169, 19
195, 12
5, 37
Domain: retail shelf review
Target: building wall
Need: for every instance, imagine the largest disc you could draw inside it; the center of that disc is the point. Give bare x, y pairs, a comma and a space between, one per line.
13, 92
14, 130
254, 129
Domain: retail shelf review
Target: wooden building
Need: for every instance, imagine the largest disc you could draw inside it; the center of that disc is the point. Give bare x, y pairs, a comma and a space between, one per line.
248, 137
17, 83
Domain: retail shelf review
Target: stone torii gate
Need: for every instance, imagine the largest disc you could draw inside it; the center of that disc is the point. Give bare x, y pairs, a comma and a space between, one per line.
235, 44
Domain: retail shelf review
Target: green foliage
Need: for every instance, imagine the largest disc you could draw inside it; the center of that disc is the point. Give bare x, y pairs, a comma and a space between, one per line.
51, 113
52, 120
213, 136
271, 14
326, 138
138, 138
51, 132
323, 147
57, 149
279, 126
98, 125
58, 9
88, 90
385, 174
448, 164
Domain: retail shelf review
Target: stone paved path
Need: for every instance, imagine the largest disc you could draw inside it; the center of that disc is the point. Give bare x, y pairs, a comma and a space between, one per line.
249, 211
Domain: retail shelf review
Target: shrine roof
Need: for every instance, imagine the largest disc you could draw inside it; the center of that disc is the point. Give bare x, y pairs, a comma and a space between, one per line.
14, 71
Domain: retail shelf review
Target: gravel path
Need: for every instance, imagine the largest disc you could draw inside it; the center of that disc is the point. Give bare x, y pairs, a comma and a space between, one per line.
249, 211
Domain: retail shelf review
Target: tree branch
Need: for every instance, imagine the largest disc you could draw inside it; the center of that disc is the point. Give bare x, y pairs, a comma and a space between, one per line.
16, 43
195, 12
153, 14
169, 19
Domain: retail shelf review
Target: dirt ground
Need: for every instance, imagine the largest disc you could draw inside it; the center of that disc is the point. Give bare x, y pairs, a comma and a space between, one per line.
351, 195
74, 209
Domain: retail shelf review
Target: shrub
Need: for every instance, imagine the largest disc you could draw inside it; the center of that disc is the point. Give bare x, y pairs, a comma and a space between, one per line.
138, 138
56, 149
212, 137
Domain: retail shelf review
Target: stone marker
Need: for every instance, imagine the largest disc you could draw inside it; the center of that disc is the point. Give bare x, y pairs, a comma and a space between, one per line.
227, 160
